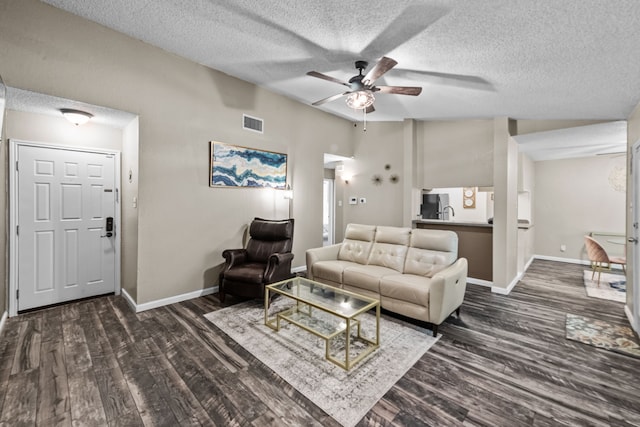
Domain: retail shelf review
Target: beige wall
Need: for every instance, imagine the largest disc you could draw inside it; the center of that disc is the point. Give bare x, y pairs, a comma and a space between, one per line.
457, 153
129, 203
183, 224
574, 197
505, 185
380, 145
531, 126
46, 129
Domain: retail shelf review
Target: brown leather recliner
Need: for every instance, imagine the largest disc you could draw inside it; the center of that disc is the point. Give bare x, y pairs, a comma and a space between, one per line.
267, 259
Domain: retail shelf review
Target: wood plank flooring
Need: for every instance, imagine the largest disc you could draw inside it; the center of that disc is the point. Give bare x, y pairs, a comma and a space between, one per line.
505, 362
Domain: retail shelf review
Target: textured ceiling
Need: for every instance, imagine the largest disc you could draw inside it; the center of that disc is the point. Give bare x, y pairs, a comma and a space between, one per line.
545, 59
24, 100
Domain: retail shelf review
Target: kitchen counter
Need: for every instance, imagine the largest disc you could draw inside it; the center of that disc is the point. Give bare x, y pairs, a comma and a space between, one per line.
521, 224
452, 222
475, 243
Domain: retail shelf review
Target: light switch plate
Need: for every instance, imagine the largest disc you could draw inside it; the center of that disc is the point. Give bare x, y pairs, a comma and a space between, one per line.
363, 200
353, 200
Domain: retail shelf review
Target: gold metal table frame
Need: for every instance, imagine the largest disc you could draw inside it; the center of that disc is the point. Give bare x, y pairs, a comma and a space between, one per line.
345, 306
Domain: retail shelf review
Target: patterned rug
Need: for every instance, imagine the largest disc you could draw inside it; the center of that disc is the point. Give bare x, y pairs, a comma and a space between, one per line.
299, 357
599, 333
612, 286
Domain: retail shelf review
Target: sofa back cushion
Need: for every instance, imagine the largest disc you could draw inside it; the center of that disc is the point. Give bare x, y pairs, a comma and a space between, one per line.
390, 247
430, 251
356, 246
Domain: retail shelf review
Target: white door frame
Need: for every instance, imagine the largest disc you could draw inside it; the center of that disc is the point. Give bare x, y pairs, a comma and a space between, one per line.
633, 314
14, 145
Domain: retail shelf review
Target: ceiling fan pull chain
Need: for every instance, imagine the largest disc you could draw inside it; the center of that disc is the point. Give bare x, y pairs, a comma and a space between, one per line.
364, 128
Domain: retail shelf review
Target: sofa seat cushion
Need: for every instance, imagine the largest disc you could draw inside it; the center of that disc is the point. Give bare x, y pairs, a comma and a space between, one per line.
365, 276
331, 270
406, 287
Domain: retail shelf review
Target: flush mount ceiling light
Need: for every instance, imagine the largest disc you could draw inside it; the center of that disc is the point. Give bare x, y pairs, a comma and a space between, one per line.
360, 100
76, 117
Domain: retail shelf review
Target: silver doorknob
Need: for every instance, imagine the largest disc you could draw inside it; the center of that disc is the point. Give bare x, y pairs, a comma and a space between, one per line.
632, 240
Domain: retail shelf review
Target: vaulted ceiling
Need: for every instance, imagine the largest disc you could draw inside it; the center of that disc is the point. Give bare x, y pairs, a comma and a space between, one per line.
544, 59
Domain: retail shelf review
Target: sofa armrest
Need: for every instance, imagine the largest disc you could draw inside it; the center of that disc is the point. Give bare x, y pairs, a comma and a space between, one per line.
447, 291
324, 253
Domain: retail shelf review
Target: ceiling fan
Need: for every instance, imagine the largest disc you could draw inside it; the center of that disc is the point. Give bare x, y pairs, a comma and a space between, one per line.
362, 87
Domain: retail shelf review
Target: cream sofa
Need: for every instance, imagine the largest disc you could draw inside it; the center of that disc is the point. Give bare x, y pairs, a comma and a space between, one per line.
413, 272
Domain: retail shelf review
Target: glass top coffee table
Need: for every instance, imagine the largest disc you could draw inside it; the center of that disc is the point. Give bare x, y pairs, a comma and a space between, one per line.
328, 313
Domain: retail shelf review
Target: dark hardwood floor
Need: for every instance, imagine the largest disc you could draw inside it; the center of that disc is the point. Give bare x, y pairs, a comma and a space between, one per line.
505, 362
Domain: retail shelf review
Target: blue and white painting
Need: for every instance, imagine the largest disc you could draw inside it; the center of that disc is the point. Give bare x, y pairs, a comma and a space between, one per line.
233, 166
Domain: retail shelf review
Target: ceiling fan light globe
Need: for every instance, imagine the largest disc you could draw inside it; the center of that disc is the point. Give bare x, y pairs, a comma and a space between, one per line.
360, 100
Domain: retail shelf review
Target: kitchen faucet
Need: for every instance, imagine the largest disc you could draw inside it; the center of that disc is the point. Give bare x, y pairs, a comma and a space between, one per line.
441, 213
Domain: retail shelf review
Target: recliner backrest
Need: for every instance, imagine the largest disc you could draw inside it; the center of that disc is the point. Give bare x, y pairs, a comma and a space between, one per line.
268, 237
357, 243
430, 251
390, 247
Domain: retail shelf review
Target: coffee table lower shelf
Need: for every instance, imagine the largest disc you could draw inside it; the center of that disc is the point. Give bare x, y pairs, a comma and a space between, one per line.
304, 314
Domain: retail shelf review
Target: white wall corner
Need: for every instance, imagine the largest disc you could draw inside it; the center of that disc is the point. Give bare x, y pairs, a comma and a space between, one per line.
129, 300
508, 289
631, 319
3, 321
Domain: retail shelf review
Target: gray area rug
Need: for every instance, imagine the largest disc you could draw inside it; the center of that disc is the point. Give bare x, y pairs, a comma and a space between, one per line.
612, 286
298, 357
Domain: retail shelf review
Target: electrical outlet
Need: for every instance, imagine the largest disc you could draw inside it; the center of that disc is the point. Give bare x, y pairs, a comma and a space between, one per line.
563, 248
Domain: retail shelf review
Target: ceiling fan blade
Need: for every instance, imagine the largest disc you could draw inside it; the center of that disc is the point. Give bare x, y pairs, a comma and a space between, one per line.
400, 90
325, 77
370, 109
448, 79
330, 98
384, 65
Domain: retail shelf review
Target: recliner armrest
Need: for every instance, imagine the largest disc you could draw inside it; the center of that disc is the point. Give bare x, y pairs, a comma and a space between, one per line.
447, 291
278, 267
234, 257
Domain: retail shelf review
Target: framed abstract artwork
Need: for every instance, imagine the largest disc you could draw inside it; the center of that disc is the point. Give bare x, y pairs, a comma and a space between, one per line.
235, 166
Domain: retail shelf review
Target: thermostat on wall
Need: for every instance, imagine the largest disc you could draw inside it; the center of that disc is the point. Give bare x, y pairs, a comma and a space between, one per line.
353, 200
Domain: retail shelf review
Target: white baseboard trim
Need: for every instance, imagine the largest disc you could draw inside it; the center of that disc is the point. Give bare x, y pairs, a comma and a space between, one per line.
559, 259
508, 289
166, 301
128, 299
572, 261
527, 265
479, 282
630, 318
299, 269
5, 315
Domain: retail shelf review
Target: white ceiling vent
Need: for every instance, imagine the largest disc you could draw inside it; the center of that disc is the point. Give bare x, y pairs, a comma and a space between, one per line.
252, 123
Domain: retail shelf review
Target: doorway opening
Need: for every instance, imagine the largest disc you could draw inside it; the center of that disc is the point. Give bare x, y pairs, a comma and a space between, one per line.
328, 212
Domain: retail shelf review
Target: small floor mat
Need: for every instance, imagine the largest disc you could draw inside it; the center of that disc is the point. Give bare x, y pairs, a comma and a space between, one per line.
599, 333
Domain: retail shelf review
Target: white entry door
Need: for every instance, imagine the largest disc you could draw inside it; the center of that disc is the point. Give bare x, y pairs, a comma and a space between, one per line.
64, 201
